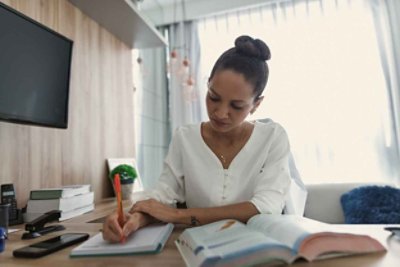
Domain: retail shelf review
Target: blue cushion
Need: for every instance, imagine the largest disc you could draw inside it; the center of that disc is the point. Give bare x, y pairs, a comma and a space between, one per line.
371, 205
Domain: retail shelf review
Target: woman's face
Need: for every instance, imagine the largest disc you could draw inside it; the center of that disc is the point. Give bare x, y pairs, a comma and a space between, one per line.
229, 100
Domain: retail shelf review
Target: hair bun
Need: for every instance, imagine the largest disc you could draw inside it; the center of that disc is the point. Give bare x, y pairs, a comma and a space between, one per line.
248, 46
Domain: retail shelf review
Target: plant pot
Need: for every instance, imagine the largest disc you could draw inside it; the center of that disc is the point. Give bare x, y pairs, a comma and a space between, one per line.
126, 190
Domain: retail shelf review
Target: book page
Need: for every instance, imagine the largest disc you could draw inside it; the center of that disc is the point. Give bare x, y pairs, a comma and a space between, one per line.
291, 230
313, 239
210, 235
227, 239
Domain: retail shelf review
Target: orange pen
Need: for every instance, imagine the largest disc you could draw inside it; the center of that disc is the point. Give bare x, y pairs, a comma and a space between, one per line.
121, 219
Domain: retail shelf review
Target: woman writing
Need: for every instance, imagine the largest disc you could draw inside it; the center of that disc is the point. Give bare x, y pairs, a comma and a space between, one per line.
227, 167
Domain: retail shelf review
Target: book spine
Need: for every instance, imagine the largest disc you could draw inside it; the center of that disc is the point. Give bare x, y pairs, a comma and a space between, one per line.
55, 193
73, 213
44, 194
63, 204
74, 202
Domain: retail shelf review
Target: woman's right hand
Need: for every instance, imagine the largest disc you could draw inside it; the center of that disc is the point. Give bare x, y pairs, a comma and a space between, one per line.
113, 232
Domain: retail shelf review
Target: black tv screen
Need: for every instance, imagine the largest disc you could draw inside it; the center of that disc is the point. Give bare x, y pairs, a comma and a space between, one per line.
35, 66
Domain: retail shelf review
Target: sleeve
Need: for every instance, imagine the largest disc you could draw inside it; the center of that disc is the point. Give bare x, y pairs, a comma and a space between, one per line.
273, 181
170, 186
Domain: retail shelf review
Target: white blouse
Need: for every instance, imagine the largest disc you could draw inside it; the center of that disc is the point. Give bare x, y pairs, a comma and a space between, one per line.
193, 173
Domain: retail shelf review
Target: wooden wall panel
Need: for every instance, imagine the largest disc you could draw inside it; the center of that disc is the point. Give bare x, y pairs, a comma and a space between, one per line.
101, 119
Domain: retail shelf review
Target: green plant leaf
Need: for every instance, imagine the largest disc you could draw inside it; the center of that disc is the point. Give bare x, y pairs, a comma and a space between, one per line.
126, 172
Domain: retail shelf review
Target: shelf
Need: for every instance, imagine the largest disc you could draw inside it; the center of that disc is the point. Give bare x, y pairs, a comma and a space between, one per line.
122, 19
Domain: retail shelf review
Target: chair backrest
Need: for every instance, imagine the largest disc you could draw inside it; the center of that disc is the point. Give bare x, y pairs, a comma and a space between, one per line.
323, 201
296, 197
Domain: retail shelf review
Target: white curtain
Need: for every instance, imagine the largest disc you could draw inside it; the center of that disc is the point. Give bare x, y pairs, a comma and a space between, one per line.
185, 100
326, 85
151, 113
387, 20
165, 102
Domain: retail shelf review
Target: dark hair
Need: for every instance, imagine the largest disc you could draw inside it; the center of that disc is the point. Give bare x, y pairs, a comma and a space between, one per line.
248, 57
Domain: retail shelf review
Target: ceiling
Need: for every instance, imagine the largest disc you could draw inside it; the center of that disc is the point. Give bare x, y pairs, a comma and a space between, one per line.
151, 4
162, 12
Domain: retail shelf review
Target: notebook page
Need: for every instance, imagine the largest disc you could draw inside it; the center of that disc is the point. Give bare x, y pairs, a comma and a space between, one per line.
146, 239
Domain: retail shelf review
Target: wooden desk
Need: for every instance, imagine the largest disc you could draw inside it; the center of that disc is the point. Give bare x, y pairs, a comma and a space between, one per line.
170, 255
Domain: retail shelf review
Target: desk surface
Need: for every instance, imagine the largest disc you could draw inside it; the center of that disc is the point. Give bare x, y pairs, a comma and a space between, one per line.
170, 255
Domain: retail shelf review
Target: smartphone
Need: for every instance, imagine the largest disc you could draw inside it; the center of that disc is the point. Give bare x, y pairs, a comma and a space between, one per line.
48, 246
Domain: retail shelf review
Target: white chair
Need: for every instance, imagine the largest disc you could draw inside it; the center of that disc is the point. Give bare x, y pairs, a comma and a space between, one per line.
297, 195
323, 201
296, 198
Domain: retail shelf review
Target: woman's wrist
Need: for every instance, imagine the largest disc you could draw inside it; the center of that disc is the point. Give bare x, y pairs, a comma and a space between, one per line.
181, 215
186, 216
143, 218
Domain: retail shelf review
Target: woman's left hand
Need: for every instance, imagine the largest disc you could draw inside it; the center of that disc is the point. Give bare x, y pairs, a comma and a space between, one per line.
157, 210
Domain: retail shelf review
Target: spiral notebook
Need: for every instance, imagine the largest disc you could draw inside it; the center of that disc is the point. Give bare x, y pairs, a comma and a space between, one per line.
148, 240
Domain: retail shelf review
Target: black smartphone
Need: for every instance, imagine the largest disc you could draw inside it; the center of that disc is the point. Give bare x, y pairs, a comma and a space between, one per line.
48, 246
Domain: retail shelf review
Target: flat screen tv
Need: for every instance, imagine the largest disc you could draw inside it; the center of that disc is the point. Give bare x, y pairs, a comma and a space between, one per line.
35, 64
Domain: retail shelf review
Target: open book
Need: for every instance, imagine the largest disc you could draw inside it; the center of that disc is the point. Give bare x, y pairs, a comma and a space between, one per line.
150, 239
268, 239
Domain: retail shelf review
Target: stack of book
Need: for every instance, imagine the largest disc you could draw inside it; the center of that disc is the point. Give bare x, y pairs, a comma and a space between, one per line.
71, 200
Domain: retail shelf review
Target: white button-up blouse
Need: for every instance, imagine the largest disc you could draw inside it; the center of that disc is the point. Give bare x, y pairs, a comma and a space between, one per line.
193, 173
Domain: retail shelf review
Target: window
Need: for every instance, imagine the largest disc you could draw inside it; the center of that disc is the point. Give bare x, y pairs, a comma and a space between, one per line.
326, 84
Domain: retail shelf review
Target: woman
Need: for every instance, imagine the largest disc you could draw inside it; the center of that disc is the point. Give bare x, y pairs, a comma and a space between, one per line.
226, 167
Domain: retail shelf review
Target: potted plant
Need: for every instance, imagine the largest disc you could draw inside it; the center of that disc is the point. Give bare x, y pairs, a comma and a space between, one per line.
127, 176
